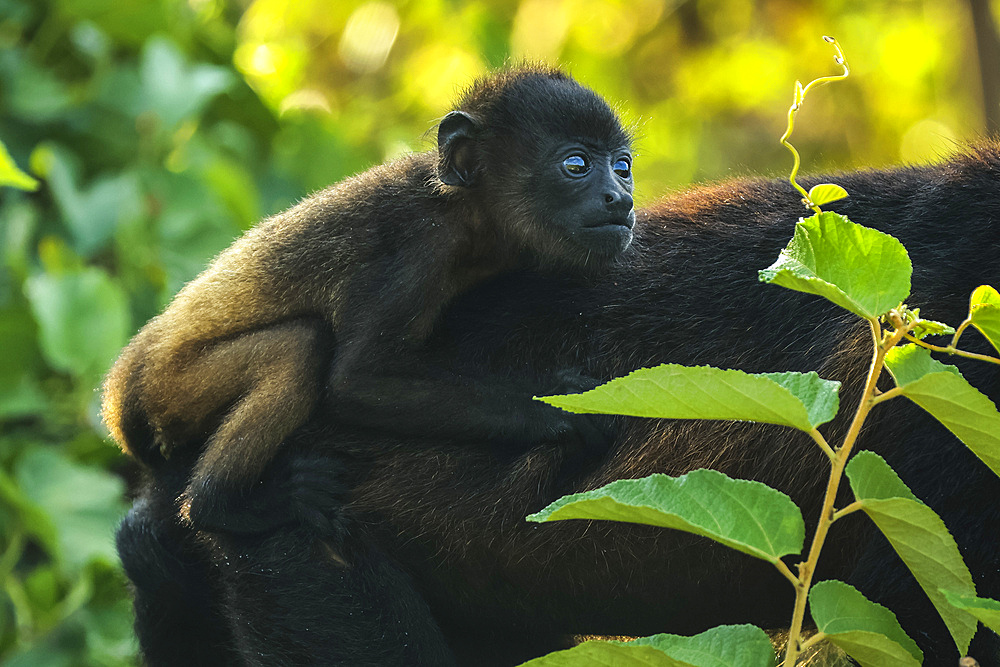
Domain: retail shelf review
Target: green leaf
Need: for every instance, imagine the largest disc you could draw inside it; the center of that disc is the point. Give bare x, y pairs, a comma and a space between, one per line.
747, 516
867, 631
84, 504
826, 193
926, 328
11, 175
91, 212
724, 646
607, 654
984, 309
860, 269
672, 391
173, 89
918, 535
985, 609
942, 391
20, 365
83, 318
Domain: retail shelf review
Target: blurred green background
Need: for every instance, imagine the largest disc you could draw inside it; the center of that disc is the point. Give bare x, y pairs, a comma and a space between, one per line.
160, 129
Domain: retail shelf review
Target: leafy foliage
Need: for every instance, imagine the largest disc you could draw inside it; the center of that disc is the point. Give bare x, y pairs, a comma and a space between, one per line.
867, 273
918, 535
747, 516
867, 631
723, 646
800, 400
874, 279
984, 310
148, 133
942, 391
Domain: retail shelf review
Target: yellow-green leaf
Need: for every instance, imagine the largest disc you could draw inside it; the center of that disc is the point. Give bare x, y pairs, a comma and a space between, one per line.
672, 391
918, 535
984, 309
825, 193
744, 515
11, 175
857, 268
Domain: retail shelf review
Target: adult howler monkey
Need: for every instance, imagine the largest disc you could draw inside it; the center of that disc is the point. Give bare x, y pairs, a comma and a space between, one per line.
339, 293
431, 561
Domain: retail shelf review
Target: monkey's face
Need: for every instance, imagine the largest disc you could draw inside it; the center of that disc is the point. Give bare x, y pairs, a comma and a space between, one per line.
575, 201
548, 163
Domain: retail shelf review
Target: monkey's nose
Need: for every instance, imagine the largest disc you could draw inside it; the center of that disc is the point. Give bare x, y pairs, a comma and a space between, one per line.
618, 201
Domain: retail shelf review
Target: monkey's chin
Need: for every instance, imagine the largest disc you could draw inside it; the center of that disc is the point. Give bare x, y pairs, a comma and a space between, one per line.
608, 240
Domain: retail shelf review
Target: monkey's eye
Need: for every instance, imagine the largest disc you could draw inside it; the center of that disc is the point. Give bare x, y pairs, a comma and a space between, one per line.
622, 168
576, 165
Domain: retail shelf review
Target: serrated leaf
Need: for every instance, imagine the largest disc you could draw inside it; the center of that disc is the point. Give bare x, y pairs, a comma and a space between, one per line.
825, 193
867, 631
985, 609
984, 309
672, 391
744, 515
918, 535
909, 363
606, 654
857, 268
724, 646
941, 390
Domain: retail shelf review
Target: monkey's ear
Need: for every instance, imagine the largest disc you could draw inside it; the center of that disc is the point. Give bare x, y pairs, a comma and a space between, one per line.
457, 161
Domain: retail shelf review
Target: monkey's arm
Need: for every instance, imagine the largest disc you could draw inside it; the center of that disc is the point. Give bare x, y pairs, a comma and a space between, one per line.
423, 394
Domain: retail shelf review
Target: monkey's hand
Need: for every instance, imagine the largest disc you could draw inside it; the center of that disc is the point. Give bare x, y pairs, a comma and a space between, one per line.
297, 488
593, 432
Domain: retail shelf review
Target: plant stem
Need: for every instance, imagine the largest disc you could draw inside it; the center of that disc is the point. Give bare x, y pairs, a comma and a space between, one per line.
783, 569
950, 349
958, 332
844, 511
887, 395
821, 441
812, 641
827, 516
800, 96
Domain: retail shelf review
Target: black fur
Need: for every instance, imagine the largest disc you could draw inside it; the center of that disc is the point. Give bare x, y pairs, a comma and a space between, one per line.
327, 306
444, 521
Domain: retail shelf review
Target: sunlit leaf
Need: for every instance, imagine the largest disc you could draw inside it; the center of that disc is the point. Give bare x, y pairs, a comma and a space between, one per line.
11, 175
826, 193
926, 328
866, 631
744, 515
985, 609
984, 307
860, 269
942, 391
918, 535
724, 646
672, 391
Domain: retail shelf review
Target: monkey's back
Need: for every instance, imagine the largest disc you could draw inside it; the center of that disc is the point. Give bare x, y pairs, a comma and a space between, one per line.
298, 264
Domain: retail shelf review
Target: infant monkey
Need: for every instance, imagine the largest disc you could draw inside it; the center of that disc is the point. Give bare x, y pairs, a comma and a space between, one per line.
335, 296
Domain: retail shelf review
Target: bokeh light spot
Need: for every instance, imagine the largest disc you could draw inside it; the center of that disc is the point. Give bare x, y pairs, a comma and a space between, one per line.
368, 36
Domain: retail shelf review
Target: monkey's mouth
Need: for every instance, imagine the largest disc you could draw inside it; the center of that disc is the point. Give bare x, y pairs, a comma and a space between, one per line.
608, 238
628, 222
